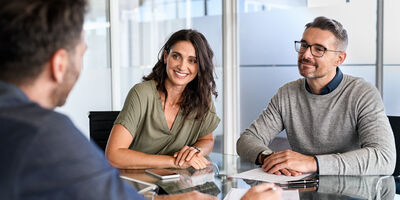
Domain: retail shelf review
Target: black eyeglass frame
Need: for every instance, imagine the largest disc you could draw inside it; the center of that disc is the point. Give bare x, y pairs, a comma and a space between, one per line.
308, 45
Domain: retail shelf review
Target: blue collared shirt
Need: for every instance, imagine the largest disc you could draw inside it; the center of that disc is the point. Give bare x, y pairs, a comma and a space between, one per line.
47, 157
331, 85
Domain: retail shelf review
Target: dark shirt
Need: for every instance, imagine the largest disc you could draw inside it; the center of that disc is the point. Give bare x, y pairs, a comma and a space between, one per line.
332, 85
44, 156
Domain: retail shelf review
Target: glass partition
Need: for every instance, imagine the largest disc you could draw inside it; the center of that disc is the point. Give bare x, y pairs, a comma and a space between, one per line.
391, 58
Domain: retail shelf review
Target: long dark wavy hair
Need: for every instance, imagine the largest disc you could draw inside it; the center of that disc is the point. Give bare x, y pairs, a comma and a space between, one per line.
197, 94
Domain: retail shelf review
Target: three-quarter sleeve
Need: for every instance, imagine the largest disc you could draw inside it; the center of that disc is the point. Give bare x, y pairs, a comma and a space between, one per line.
130, 114
211, 121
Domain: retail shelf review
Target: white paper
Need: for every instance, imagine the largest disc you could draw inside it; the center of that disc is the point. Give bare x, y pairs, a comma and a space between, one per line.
236, 194
259, 175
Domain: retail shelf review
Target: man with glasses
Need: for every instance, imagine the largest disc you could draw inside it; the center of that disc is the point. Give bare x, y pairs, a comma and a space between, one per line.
335, 123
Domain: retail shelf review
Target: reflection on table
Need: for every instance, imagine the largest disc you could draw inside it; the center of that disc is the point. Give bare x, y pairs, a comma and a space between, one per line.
216, 180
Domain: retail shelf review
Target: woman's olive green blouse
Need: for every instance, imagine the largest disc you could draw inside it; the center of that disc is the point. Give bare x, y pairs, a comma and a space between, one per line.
143, 116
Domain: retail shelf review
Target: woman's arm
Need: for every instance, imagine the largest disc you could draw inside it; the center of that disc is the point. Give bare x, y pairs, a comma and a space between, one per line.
195, 154
120, 156
205, 144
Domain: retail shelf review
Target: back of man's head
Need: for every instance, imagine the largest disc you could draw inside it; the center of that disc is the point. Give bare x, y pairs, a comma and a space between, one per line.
334, 27
32, 30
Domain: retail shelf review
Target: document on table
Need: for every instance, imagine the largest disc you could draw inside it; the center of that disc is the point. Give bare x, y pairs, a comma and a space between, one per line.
236, 194
259, 175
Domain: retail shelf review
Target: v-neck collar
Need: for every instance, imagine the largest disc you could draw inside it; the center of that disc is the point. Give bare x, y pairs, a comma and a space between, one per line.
162, 116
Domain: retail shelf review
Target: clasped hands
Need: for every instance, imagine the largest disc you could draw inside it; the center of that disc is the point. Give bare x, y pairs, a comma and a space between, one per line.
190, 157
289, 163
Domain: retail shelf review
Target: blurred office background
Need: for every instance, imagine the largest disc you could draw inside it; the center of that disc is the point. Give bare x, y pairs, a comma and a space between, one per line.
125, 36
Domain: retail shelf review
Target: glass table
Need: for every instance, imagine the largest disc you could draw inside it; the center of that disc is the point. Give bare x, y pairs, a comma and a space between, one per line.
216, 180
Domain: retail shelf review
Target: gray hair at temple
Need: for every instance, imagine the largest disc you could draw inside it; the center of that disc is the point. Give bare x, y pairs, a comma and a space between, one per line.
334, 27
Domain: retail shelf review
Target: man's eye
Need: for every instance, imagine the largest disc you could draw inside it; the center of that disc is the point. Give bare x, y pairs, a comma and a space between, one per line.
319, 49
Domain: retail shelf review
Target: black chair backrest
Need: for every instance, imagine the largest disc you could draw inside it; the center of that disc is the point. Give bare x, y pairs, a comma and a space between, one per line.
395, 123
100, 125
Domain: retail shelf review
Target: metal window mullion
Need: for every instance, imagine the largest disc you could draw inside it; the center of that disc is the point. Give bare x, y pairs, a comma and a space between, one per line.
115, 55
230, 75
379, 47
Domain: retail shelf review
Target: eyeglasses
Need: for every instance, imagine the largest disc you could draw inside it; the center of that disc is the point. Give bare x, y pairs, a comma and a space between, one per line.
316, 49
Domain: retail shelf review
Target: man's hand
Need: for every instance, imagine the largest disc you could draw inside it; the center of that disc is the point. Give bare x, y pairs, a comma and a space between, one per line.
264, 191
287, 172
289, 163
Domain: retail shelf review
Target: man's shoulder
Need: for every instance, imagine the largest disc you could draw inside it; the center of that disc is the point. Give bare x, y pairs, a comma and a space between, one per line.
354, 79
32, 115
27, 128
292, 85
45, 145
357, 82
30, 122
33, 127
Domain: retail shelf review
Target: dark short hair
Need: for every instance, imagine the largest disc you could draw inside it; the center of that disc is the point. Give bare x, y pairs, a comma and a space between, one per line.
31, 31
334, 27
197, 94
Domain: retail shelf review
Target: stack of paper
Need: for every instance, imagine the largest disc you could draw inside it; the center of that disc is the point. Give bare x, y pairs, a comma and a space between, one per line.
259, 175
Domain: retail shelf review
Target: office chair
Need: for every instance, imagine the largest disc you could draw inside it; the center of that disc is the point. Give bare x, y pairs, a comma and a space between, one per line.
100, 125
395, 123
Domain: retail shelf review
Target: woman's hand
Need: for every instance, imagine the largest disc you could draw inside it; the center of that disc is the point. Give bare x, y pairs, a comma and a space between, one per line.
190, 156
185, 154
197, 162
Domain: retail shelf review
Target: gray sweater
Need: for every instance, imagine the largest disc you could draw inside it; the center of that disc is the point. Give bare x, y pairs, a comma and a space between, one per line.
346, 129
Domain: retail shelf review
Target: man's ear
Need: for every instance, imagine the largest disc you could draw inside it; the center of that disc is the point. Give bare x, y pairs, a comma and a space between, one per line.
58, 65
341, 58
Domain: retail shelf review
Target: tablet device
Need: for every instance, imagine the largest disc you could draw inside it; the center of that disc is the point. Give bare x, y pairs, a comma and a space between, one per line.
163, 173
140, 186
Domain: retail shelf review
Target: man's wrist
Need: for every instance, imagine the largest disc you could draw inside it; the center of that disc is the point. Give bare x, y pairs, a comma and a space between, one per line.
261, 157
317, 165
258, 159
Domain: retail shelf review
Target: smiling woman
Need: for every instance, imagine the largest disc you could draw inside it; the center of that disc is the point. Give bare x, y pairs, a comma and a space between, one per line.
181, 64
167, 120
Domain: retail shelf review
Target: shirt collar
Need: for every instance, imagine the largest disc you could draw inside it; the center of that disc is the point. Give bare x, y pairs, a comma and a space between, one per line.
10, 94
332, 85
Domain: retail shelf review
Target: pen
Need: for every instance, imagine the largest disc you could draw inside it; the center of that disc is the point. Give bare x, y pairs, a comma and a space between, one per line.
303, 181
299, 186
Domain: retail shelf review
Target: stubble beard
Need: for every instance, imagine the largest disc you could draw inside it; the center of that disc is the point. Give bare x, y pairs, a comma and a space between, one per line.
310, 75
61, 92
